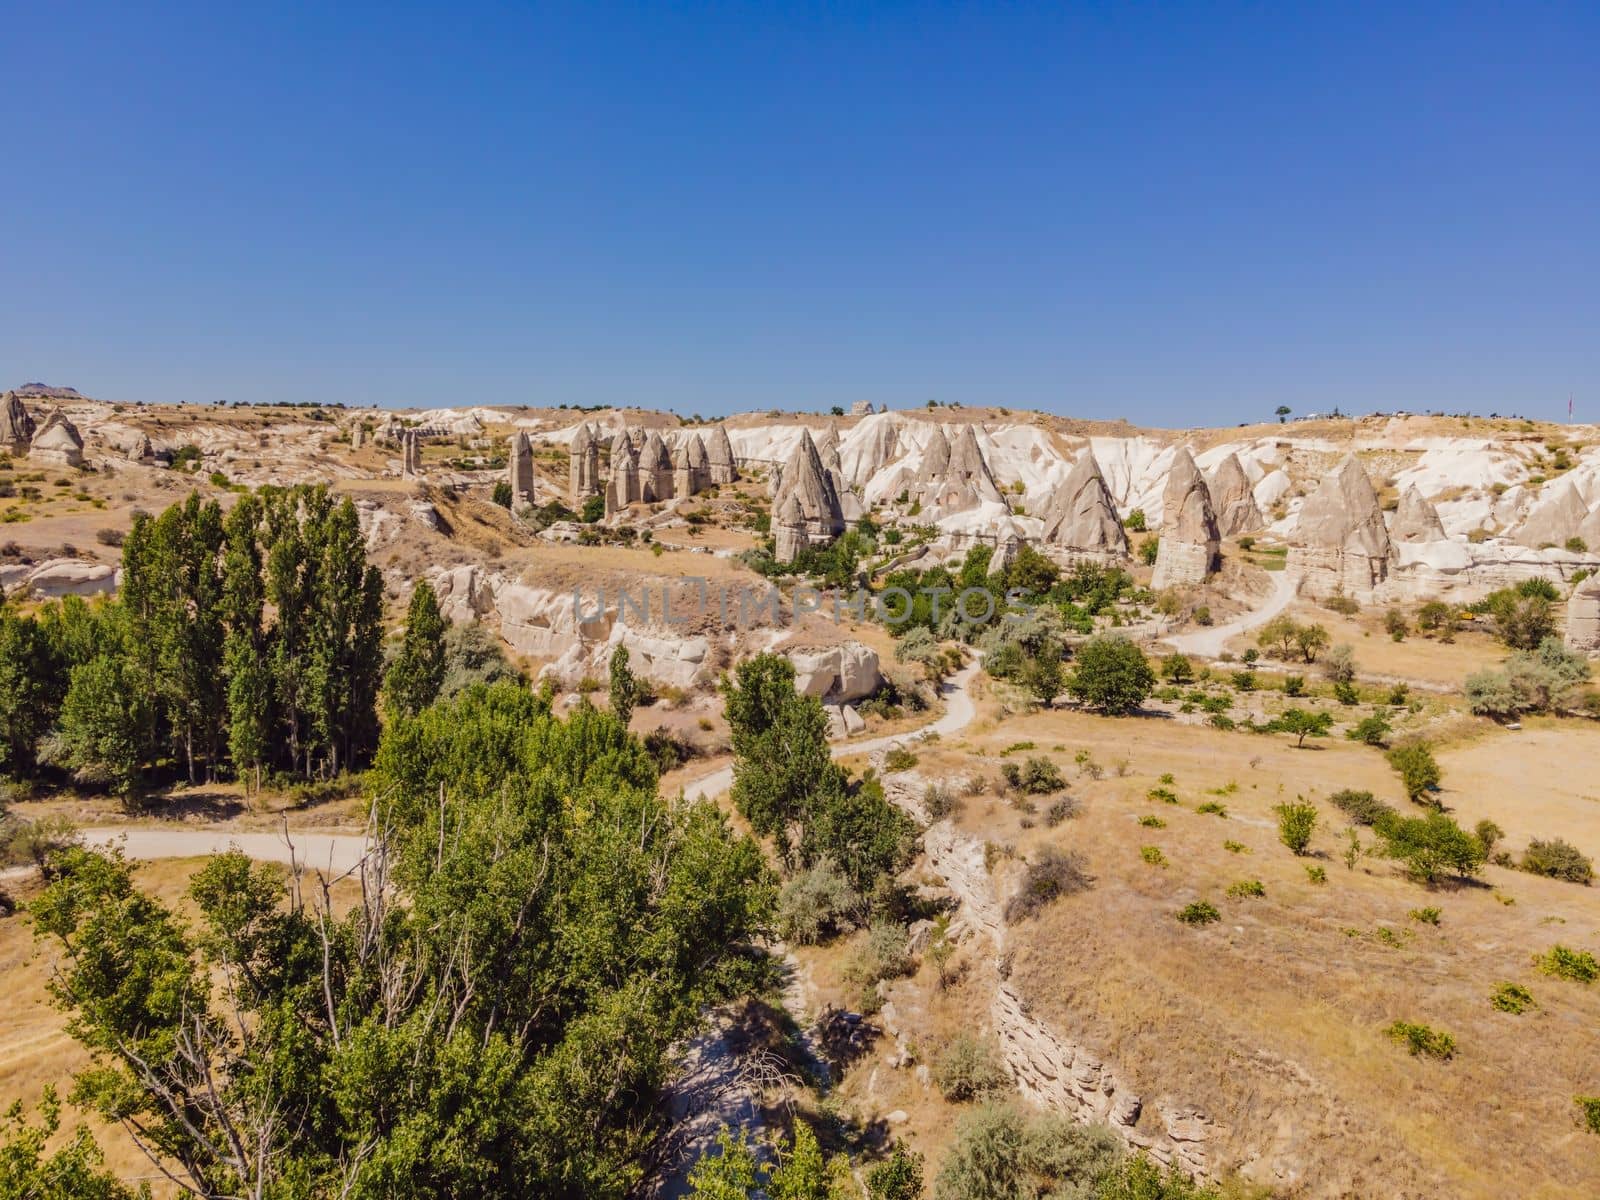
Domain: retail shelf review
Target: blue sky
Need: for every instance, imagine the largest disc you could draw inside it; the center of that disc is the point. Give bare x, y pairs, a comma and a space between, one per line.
1180, 214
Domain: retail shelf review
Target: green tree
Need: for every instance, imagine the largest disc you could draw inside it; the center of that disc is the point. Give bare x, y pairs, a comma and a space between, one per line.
1304, 724
417, 672
249, 680
75, 1170
594, 509
624, 691
103, 719
1296, 823
1431, 846
1310, 640
1112, 674
1282, 412
898, 1177
30, 695
494, 1016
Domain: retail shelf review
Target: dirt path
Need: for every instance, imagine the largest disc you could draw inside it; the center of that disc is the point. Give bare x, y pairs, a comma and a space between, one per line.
1209, 643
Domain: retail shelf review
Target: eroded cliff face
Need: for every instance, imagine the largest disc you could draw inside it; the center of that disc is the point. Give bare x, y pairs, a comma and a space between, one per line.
1050, 1068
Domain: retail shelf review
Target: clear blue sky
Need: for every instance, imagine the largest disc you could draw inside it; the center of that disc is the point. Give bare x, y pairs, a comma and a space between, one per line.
1182, 214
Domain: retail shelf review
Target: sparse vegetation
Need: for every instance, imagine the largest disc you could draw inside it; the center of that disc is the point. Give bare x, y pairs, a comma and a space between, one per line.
1422, 1040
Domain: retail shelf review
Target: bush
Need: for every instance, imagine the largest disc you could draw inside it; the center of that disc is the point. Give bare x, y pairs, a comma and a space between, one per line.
1371, 730
1394, 622
1212, 808
1419, 771
970, 1069
1423, 1040
938, 801
1052, 874
1112, 674
1176, 668
1511, 998
1316, 874
1431, 846
1002, 1152
1200, 912
1153, 856
1563, 962
1361, 807
1296, 823
1557, 859
1303, 724
1247, 887
898, 1177
1589, 1112
1059, 811
817, 904
1152, 822
1038, 776
1542, 680
1339, 664
899, 759
1426, 916
1294, 685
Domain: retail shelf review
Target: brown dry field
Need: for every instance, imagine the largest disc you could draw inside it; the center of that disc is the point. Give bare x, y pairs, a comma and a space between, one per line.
1272, 1021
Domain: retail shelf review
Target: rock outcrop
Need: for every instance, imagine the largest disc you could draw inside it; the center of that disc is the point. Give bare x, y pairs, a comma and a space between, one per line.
721, 465
1416, 520
836, 674
410, 453
1583, 618
1340, 543
16, 426
1233, 499
519, 469
806, 506
583, 464
1189, 549
655, 470
1081, 516
954, 477
57, 441
1555, 520
699, 465
622, 481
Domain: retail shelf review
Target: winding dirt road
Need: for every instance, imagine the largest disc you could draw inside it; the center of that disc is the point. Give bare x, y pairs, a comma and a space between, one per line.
1209, 643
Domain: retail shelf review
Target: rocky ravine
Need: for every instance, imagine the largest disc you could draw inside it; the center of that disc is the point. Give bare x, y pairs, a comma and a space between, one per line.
1050, 1069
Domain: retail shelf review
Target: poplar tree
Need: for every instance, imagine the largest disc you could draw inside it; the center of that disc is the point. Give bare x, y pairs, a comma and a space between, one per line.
417, 673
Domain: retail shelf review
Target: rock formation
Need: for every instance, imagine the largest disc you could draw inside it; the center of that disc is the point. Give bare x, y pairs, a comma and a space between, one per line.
682, 473
16, 426
935, 456
1583, 618
583, 464
140, 449
699, 465
519, 468
954, 478
358, 434
1189, 549
873, 446
410, 454
1081, 515
655, 470
719, 457
806, 506
1555, 519
622, 484
57, 441
1233, 500
1340, 542
1416, 520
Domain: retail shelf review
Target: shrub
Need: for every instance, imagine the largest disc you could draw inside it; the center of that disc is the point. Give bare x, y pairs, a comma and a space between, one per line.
1294, 685
1426, 916
1111, 674
1431, 846
1487, 832
1212, 807
1394, 622
899, 759
1511, 998
1346, 693
1003, 1152
1563, 962
1316, 874
1419, 771
1361, 807
1059, 811
1038, 776
1164, 794
938, 801
898, 1177
1052, 874
1589, 1112
817, 904
1152, 822
1247, 887
1176, 668
1557, 859
1153, 856
1296, 823
1303, 724
1233, 847
1136, 521
1200, 912
1339, 664
1371, 730
970, 1069
1423, 1040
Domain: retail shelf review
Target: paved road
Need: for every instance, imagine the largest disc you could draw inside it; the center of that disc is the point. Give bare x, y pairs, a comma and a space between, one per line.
1209, 643
336, 853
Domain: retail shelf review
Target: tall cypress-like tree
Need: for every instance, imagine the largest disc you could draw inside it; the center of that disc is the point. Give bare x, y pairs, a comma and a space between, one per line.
245, 648
417, 672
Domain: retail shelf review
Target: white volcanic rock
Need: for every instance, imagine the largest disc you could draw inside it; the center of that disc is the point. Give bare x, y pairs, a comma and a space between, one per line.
1583, 618
719, 457
1189, 549
1340, 542
837, 674
806, 504
868, 448
1415, 520
1233, 499
62, 577
1555, 519
16, 426
1082, 515
57, 441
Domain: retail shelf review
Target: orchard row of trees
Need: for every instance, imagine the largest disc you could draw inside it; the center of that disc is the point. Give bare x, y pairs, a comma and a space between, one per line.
238, 644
